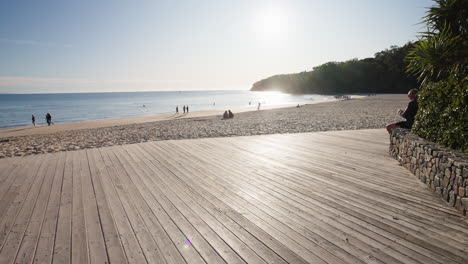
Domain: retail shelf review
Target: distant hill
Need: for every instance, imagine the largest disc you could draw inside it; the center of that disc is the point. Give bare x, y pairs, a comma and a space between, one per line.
385, 73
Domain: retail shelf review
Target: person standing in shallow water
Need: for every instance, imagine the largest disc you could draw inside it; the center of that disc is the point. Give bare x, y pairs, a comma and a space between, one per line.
409, 113
33, 119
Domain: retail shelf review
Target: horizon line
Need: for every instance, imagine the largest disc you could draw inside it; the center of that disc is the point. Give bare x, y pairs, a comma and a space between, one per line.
147, 91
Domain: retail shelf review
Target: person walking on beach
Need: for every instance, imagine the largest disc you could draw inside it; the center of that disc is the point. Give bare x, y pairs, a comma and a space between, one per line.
184, 109
49, 119
259, 104
187, 109
33, 119
177, 109
409, 113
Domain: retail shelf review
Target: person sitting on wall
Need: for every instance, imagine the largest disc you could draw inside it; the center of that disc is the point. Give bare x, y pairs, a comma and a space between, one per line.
230, 114
225, 115
409, 113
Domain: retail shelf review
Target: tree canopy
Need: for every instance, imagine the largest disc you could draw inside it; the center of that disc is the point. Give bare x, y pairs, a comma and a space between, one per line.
384, 73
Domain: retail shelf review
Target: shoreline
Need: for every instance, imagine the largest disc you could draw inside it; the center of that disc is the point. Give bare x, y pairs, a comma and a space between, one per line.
102, 123
364, 113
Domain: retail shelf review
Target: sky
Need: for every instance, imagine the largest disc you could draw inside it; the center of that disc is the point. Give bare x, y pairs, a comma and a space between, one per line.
141, 45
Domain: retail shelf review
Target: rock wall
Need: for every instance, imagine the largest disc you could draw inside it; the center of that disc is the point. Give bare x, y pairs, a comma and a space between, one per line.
443, 170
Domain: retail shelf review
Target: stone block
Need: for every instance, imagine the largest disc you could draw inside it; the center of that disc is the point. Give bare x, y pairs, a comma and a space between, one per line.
452, 198
464, 202
422, 177
447, 172
436, 181
445, 182
439, 190
428, 171
445, 194
442, 166
461, 191
458, 180
450, 162
458, 205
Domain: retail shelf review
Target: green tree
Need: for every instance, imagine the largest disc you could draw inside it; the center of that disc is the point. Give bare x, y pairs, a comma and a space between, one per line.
440, 60
442, 49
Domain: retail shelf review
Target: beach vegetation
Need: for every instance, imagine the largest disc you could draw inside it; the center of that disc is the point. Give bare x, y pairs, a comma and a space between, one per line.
439, 60
383, 73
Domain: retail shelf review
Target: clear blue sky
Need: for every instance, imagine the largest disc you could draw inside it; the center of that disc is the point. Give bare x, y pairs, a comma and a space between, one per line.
117, 45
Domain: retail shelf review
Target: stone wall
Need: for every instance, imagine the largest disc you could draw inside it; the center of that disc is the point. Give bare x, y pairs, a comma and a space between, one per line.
443, 170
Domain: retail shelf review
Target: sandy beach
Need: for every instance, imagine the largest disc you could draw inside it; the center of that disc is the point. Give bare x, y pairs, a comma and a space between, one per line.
358, 113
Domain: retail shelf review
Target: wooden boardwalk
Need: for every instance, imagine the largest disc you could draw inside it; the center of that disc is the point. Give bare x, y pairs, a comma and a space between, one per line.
329, 197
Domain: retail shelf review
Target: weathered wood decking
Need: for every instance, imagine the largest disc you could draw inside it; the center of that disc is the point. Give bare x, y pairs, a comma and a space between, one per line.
332, 197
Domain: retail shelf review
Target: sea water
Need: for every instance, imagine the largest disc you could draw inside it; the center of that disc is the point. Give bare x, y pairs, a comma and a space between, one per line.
16, 109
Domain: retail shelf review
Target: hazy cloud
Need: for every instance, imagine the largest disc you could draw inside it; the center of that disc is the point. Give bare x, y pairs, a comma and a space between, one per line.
34, 42
60, 82
10, 84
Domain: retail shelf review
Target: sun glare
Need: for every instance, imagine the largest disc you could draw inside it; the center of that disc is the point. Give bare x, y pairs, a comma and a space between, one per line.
270, 21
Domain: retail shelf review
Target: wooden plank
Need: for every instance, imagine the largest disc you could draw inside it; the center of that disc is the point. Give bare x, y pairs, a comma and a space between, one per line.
192, 150
376, 195
198, 241
361, 191
13, 240
79, 251
203, 227
7, 166
31, 236
9, 188
12, 203
159, 228
45, 245
115, 251
350, 182
202, 199
124, 189
177, 237
95, 238
130, 244
63, 237
316, 234
265, 253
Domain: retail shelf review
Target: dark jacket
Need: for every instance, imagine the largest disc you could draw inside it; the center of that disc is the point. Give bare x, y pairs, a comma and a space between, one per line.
410, 113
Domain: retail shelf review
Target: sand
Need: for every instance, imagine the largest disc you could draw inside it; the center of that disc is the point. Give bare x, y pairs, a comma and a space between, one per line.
359, 113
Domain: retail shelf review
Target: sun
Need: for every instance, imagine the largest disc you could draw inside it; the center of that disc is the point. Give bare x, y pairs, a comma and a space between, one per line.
270, 21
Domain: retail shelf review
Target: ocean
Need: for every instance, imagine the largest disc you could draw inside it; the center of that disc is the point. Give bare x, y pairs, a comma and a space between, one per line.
16, 109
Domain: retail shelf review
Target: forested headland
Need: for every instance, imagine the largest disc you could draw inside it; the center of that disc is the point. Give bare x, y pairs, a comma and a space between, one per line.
384, 73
